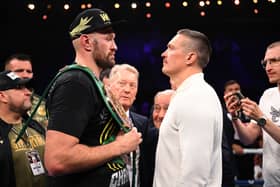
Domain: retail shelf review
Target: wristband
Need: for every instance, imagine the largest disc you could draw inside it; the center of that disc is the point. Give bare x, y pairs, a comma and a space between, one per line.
234, 117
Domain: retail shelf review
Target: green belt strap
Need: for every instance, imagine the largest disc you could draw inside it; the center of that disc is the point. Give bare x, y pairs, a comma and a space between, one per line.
100, 88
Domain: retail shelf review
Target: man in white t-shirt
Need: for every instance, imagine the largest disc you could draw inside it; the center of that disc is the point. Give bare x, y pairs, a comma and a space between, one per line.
265, 117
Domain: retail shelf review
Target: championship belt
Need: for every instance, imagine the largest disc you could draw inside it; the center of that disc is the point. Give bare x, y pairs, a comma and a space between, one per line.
114, 107
118, 109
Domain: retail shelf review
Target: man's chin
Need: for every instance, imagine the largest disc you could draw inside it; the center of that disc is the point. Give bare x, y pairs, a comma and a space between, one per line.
165, 72
105, 64
27, 107
124, 104
273, 81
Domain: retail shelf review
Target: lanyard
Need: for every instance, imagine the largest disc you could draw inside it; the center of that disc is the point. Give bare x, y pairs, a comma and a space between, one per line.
23, 137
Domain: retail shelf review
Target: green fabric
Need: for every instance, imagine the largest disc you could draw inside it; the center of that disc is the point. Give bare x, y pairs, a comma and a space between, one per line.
99, 85
40, 115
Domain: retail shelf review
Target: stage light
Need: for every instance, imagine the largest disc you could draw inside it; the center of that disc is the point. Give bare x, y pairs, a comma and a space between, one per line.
31, 6
133, 5
207, 2
202, 13
201, 3
167, 5
236, 2
185, 3
66, 6
117, 5
255, 1
148, 4
148, 15
89, 5
49, 6
45, 17
83, 6
219, 2
256, 11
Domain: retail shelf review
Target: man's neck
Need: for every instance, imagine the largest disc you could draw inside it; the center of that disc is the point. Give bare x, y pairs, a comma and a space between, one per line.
10, 117
88, 62
181, 77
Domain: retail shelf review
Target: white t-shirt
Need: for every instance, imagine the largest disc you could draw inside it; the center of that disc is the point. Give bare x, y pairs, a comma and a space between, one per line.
270, 105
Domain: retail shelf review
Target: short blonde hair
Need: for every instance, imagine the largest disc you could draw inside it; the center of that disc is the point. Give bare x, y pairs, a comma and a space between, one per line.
164, 92
119, 67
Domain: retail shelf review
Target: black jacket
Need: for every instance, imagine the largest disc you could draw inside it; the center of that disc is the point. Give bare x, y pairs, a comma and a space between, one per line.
227, 155
147, 148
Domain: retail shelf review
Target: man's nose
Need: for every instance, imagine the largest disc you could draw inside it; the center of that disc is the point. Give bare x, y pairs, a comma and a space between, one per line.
161, 113
26, 75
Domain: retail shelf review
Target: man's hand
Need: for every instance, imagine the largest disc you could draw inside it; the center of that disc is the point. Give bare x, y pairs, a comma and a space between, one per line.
129, 141
237, 149
251, 109
232, 103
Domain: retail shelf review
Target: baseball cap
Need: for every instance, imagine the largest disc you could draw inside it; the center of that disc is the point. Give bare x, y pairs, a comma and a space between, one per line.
89, 21
10, 80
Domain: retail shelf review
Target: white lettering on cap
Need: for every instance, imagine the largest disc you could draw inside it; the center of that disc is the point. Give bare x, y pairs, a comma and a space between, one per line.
13, 76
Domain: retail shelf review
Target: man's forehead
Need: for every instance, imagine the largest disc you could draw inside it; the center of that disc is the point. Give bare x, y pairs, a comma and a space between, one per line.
126, 73
17, 62
273, 52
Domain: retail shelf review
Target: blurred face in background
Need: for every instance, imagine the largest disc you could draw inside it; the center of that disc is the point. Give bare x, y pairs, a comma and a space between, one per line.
161, 103
124, 86
22, 68
232, 88
18, 100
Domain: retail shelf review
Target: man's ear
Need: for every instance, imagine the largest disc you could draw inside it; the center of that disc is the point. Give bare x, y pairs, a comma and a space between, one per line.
190, 57
86, 42
3, 97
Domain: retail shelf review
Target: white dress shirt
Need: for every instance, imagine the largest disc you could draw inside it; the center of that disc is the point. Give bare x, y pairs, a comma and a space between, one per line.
129, 164
190, 138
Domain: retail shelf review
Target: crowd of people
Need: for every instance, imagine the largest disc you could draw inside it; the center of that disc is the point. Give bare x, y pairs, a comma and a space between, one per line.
87, 133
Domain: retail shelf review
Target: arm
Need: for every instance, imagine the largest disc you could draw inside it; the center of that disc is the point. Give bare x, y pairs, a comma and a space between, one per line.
64, 154
237, 149
71, 106
273, 130
248, 132
252, 109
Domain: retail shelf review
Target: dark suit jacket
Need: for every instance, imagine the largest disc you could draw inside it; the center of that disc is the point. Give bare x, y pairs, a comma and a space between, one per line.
147, 148
139, 121
227, 155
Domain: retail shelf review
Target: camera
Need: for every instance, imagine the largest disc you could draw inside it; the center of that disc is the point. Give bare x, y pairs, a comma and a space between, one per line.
245, 119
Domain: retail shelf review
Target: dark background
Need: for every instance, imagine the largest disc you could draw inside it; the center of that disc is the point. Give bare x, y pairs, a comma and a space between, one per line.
239, 39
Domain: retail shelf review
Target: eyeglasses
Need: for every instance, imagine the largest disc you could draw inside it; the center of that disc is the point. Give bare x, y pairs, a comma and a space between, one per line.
272, 61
